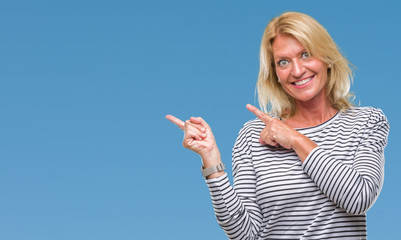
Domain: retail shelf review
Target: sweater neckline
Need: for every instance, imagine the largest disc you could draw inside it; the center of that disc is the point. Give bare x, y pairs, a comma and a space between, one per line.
320, 126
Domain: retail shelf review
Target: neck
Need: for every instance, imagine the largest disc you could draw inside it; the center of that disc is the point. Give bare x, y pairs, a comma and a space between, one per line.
313, 113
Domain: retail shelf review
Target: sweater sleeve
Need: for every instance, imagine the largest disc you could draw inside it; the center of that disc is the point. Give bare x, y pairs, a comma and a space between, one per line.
236, 209
353, 187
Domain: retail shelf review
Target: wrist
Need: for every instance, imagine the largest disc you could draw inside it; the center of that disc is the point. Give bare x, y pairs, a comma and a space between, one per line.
211, 159
302, 145
214, 171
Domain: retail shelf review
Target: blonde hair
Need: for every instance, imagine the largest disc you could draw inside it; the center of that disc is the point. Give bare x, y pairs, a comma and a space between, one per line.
317, 42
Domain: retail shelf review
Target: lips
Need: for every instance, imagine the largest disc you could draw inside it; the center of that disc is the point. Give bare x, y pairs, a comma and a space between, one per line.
302, 82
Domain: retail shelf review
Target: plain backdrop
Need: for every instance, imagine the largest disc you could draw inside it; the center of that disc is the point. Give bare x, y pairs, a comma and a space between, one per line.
85, 150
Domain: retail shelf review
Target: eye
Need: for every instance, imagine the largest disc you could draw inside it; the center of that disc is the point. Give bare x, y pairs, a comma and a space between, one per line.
305, 55
282, 63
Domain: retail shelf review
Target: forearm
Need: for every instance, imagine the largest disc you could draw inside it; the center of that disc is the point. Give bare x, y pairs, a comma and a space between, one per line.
236, 207
240, 219
302, 145
354, 189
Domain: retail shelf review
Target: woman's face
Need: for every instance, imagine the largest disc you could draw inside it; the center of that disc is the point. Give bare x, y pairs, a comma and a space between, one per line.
301, 75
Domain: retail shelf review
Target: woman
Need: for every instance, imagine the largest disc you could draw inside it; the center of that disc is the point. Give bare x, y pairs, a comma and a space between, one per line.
314, 166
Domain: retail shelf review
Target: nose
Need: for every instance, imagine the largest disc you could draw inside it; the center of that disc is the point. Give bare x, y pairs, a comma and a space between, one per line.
298, 68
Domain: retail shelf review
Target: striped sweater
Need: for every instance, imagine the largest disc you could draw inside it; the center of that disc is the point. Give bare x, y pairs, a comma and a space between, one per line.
276, 196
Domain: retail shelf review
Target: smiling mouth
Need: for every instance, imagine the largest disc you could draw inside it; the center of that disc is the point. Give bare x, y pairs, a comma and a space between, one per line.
302, 82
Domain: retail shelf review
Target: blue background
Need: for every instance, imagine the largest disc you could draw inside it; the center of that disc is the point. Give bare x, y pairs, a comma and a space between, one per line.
85, 150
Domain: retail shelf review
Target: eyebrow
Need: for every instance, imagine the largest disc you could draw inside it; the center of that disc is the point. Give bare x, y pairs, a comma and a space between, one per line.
281, 57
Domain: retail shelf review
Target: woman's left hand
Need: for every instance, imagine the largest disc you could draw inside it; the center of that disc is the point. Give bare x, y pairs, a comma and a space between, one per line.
276, 133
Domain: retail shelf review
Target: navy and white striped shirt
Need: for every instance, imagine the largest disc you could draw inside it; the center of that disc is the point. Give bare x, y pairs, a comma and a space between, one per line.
276, 196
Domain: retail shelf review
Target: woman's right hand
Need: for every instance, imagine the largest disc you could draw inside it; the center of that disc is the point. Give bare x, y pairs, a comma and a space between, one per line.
198, 137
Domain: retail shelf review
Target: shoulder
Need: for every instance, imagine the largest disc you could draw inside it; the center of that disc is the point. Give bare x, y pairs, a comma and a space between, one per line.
253, 124
250, 129
368, 114
368, 120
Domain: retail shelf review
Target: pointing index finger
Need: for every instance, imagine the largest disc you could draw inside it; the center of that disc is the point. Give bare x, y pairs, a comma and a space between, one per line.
176, 121
261, 115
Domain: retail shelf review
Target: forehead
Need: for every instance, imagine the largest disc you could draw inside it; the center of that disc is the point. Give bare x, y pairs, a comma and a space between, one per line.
286, 46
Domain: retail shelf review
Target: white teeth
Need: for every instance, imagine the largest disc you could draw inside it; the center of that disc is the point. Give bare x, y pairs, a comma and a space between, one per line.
299, 83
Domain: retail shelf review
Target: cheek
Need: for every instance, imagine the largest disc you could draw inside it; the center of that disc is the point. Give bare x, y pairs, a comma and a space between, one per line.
317, 67
323, 75
282, 75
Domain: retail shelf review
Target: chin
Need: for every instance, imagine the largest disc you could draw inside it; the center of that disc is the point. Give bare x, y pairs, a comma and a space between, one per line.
308, 97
